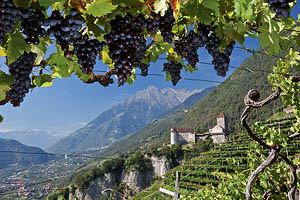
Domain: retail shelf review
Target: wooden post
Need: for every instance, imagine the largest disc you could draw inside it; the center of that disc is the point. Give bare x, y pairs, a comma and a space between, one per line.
177, 185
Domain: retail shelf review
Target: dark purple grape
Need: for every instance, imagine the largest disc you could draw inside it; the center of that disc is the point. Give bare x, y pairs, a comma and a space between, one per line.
20, 70
174, 70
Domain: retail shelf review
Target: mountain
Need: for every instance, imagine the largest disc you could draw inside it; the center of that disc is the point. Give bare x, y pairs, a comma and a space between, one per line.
122, 119
32, 137
8, 159
226, 98
157, 128
192, 100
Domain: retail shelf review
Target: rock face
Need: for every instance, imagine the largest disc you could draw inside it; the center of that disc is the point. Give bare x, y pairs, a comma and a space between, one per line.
135, 180
97, 188
122, 120
160, 165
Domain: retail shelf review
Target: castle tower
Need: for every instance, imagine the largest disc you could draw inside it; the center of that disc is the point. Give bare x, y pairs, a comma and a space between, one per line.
222, 121
173, 135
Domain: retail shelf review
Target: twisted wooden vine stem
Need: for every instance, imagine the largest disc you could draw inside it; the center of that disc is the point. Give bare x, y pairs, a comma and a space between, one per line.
251, 102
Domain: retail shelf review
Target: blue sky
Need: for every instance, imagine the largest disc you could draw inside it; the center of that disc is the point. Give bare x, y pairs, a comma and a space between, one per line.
69, 104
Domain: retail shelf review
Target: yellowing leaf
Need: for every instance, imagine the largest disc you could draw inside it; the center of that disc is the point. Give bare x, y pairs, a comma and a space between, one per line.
2, 52
44, 80
105, 57
160, 6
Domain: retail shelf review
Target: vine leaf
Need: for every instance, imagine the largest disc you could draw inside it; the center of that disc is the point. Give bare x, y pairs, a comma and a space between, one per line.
75, 67
160, 6
105, 57
213, 5
1, 118
16, 46
41, 49
22, 3
100, 8
59, 66
44, 80
237, 8
5, 82
47, 3
2, 52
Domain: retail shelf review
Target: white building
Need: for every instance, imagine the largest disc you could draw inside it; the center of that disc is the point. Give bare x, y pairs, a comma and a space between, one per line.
218, 133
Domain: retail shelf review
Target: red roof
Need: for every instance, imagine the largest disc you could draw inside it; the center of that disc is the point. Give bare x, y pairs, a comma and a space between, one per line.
221, 115
182, 130
18, 182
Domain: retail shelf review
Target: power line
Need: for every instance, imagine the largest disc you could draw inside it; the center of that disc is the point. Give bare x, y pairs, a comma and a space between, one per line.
196, 79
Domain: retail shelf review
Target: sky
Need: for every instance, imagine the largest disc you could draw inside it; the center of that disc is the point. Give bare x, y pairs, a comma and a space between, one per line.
70, 104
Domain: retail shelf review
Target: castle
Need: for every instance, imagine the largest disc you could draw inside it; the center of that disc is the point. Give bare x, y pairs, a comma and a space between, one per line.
218, 133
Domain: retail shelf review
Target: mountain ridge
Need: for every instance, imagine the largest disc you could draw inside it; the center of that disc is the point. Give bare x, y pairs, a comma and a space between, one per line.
31, 137
20, 159
122, 119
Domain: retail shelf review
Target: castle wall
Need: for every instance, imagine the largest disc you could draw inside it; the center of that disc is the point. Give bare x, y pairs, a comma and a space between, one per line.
173, 137
219, 138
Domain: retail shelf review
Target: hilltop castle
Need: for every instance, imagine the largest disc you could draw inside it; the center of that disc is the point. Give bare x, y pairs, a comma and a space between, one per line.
218, 133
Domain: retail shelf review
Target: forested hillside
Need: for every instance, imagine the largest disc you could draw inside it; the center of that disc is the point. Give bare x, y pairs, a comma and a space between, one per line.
9, 159
228, 97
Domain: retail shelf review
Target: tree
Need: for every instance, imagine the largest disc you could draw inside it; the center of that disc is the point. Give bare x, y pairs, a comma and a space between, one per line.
131, 34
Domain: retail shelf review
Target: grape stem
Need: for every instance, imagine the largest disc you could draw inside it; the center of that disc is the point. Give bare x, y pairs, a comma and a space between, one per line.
4, 101
150, 44
104, 80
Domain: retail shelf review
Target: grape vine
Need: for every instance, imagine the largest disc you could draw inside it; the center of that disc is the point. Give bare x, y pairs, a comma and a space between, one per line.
126, 35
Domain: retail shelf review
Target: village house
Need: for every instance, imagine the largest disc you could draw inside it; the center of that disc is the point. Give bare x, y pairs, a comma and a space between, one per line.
219, 133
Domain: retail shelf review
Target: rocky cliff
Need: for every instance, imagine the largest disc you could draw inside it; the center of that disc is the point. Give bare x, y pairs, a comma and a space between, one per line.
130, 181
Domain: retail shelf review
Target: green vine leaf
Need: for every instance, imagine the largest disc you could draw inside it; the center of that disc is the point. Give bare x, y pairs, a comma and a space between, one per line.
16, 46
22, 3
59, 66
75, 67
1, 118
44, 80
47, 3
41, 49
100, 8
5, 82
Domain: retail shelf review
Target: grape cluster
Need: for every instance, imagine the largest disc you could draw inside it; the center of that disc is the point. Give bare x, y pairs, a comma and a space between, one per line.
87, 51
162, 23
8, 14
204, 31
32, 21
187, 47
143, 67
127, 45
65, 29
220, 60
174, 70
281, 7
20, 70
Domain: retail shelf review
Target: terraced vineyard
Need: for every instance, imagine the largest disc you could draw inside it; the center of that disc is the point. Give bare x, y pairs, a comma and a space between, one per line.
211, 167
